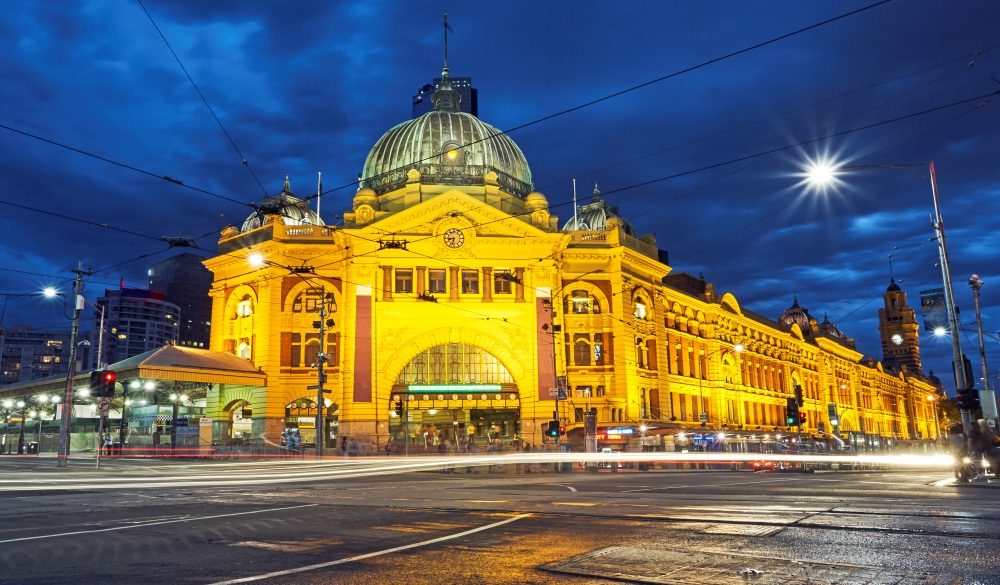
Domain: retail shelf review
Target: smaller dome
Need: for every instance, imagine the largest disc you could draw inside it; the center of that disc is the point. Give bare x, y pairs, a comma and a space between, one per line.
365, 196
797, 314
291, 209
535, 201
597, 215
893, 287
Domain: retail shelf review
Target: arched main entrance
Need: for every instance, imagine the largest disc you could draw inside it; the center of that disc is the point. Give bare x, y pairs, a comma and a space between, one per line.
453, 397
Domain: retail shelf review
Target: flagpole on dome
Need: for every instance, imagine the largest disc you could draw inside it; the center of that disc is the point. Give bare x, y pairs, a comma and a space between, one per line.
446, 29
576, 226
319, 195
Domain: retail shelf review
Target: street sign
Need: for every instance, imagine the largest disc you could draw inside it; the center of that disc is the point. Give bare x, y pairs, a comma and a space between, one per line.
553, 393
312, 387
704, 417
562, 394
104, 405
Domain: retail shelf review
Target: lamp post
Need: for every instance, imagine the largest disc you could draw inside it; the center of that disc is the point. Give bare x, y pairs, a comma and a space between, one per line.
820, 174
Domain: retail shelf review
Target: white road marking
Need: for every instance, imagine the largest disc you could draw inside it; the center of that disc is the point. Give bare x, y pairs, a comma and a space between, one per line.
569, 487
371, 554
145, 524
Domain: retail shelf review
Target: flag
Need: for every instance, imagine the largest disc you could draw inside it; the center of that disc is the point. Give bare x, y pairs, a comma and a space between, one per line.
123, 282
447, 26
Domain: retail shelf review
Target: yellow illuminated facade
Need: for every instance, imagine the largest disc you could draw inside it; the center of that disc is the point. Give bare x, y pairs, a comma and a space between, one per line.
452, 291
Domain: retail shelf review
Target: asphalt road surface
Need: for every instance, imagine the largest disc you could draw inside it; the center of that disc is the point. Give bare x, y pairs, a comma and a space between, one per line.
153, 522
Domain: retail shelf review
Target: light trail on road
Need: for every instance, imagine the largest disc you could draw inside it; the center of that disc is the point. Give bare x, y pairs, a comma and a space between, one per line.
241, 474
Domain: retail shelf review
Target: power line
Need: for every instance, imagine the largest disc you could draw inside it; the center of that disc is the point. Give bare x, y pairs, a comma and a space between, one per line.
203, 99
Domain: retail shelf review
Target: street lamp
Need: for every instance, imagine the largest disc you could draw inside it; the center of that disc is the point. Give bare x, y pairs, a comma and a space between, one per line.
21, 404
825, 173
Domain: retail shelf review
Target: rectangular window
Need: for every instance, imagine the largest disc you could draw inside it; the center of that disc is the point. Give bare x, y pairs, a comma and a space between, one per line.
598, 349
436, 281
470, 281
502, 282
580, 302
404, 280
243, 309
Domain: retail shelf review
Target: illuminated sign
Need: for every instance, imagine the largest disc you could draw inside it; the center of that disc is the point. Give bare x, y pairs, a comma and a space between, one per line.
453, 388
619, 430
614, 433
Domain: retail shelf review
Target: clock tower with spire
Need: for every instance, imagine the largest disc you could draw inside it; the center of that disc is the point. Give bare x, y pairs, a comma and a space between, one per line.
898, 328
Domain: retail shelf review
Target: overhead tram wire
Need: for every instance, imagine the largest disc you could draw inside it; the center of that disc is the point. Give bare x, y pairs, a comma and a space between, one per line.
758, 155
203, 99
549, 117
904, 279
123, 165
739, 159
963, 58
640, 86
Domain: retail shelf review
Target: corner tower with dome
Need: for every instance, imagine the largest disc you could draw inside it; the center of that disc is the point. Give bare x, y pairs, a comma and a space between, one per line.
452, 294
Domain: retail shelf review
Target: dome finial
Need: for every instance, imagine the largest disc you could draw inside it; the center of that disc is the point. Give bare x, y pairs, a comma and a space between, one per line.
445, 98
597, 192
288, 186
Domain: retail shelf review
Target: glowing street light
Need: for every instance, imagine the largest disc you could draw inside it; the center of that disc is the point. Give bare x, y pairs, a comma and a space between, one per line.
826, 172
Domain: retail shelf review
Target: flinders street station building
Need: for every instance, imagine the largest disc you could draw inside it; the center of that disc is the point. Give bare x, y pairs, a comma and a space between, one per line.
454, 305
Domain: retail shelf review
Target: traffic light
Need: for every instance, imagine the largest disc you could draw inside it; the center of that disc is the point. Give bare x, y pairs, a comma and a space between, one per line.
798, 395
562, 430
108, 389
399, 408
968, 399
792, 412
102, 383
802, 419
552, 429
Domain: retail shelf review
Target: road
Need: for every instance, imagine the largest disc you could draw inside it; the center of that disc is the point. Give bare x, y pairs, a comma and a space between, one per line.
333, 526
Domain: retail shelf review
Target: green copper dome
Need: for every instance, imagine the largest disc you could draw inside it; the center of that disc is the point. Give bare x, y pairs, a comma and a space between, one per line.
447, 147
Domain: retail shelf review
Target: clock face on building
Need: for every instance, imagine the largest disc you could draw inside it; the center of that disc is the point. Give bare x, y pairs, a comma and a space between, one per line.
896, 338
454, 238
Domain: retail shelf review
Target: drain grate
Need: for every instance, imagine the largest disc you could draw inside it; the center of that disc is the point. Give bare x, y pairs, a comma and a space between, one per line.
682, 567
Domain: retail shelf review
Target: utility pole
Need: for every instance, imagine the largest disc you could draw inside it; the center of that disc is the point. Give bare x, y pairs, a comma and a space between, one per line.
321, 359
987, 398
67, 411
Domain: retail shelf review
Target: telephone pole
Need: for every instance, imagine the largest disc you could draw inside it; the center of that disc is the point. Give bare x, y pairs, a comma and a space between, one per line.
67, 410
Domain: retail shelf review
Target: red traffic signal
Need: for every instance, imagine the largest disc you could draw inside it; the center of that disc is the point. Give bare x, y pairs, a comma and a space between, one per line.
102, 383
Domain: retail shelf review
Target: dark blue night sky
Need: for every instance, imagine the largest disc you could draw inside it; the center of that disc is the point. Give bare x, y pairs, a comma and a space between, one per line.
303, 87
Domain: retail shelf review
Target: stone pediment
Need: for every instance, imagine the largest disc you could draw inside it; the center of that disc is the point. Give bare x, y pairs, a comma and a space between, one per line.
454, 208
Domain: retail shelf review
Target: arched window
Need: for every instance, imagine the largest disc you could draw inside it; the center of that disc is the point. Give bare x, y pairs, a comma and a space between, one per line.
454, 363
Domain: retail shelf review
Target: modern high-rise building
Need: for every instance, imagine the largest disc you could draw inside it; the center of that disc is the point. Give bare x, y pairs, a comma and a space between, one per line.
186, 282
469, 96
136, 320
28, 354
